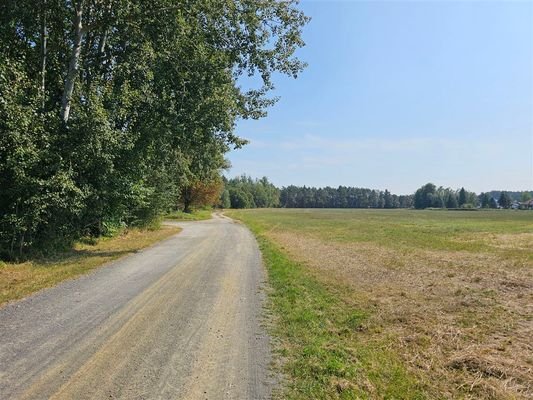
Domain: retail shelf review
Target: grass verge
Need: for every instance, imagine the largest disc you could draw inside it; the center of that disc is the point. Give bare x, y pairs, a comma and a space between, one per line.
18, 280
196, 215
318, 329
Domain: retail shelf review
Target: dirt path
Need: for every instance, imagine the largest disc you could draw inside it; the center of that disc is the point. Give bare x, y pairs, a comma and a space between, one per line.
180, 320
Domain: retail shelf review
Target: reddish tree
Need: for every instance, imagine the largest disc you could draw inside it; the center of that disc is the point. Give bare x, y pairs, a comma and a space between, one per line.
201, 194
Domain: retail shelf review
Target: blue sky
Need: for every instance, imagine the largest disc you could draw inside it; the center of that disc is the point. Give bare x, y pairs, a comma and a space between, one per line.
400, 93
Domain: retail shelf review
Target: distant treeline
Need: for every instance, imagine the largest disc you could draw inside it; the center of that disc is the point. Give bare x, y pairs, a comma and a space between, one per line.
429, 196
246, 192
341, 197
514, 196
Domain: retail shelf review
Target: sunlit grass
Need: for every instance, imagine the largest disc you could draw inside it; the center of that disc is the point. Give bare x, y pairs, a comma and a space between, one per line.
18, 280
195, 215
406, 229
400, 303
319, 331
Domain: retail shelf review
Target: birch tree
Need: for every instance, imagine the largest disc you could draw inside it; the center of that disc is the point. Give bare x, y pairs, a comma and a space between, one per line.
137, 100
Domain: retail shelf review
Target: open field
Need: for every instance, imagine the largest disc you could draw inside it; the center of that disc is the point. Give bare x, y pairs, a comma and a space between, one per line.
400, 304
21, 279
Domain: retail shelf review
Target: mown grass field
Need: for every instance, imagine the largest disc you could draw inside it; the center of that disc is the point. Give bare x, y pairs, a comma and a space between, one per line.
20, 279
400, 304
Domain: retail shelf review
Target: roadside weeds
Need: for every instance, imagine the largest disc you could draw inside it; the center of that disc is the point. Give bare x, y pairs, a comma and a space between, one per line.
317, 334
18, 280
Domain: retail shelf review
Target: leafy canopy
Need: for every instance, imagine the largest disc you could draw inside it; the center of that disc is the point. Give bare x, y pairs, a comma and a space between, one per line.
110, 108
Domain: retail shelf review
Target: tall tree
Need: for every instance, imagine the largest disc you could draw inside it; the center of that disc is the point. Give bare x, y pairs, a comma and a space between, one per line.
505, 200
424, 196
225, 200
74, 60
484, 199
462, 197
525, 197
201, 193
451, 201
136, 101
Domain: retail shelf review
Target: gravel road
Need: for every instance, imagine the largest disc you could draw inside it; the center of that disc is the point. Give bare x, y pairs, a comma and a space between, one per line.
179, 320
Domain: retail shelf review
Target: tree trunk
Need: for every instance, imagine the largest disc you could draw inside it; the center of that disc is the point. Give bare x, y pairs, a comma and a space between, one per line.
73, 64
44, 50
187, 200
102, 43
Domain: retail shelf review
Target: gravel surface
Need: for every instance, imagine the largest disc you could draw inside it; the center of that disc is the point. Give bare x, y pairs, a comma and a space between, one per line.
179, 320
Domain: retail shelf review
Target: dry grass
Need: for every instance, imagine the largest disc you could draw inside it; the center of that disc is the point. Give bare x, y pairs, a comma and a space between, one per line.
459, 315
520, 241
18, 280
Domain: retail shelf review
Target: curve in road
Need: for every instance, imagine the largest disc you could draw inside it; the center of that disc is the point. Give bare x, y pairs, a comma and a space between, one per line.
179, 320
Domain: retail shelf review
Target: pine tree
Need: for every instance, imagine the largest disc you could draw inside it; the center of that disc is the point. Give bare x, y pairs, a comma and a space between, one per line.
451, 201
462, 197
505, 200
484, 199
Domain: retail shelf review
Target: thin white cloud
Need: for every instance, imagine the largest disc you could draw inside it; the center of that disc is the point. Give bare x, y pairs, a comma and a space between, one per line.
399, 164
324, 144
316, 142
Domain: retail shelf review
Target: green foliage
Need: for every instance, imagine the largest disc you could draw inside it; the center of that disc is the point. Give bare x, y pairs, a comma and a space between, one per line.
225, 200
153, 96
525, 196
462, 197
429, 196
341, 197
513, 195
424, 197
319, 331
505, 200
245, 192
196, 215
484, 199
451, 201
241, 199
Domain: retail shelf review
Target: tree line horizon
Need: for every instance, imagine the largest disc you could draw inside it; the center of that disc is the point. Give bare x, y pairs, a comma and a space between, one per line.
246, 192
115, 112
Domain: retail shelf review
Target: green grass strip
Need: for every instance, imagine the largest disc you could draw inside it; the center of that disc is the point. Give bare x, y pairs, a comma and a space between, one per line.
195, 215
318, 337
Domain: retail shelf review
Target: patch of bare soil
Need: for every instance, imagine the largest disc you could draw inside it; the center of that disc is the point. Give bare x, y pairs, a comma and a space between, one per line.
461, 321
